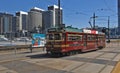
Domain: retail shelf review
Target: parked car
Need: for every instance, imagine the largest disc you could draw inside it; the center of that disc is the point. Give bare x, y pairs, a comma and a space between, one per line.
3, 39
23, 39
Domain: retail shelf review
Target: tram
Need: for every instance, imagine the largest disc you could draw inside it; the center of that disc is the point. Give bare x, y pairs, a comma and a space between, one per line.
72, 40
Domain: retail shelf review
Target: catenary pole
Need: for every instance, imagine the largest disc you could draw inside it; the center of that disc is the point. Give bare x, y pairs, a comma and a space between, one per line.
59, 24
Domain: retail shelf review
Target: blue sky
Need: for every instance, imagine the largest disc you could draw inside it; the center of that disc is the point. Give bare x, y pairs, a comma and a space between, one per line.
75, 12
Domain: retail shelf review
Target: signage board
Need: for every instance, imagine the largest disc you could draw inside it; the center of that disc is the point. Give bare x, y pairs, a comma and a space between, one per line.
38, 40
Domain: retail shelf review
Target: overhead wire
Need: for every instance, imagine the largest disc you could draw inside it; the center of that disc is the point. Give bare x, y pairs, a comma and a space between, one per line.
109, 8
75, 12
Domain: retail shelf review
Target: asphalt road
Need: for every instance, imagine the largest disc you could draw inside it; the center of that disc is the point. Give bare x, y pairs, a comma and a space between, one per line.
8, 43
100, 61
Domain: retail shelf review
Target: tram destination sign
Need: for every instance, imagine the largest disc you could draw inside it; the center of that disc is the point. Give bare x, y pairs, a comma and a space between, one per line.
90, 31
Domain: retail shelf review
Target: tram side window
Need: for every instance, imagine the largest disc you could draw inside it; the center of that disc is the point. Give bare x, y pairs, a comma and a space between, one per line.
79, 38
74, 38
63, 36
100, 38
91, 37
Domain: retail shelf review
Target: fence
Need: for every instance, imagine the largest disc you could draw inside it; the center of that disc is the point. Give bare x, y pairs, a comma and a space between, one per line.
113, 43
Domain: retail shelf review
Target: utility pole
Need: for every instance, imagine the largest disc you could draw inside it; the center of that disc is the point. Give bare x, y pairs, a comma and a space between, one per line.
59, 14
94, 20
108, 29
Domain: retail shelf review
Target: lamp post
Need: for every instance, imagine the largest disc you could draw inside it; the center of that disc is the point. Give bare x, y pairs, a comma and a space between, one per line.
94, 20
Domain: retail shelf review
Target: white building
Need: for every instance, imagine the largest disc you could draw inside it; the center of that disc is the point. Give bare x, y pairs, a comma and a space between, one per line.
23, 20
35, 20
54, 8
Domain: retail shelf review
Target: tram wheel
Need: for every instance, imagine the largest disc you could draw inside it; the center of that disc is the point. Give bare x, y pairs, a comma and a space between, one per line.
68, 53
77, 52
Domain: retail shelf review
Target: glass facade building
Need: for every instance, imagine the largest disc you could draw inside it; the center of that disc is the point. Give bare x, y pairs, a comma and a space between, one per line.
6, 22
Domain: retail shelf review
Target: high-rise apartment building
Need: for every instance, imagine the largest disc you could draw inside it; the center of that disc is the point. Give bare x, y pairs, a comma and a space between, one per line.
15, 24
1, 24
55, 9
47, 20
22, 20
35, 20
5, 23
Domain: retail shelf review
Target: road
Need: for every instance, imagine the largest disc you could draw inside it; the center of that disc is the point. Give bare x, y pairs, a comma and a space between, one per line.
8, 43
100, 61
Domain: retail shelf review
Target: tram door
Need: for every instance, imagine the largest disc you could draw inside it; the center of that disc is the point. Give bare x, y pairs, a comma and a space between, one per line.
85, 41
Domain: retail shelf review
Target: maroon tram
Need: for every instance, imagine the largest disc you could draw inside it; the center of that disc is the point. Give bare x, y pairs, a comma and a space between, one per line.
71, 40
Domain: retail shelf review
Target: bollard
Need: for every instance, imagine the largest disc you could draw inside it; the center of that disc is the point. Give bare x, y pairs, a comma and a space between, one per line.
31, 48
43, 48
15, 50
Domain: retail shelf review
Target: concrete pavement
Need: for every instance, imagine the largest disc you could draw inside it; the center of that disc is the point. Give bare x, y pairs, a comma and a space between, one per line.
101, 61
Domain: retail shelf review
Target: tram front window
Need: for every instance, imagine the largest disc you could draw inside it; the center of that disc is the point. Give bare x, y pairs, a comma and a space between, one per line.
51, 37
54, 37
57, 37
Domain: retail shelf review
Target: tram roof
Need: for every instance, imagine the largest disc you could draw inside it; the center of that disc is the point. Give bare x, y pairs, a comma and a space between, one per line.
67, 29
72, 29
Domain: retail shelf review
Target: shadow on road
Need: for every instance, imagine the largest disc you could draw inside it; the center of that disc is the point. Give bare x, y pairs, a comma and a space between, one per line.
43, 55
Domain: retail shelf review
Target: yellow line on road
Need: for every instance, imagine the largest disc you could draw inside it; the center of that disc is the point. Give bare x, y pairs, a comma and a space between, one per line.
116, 68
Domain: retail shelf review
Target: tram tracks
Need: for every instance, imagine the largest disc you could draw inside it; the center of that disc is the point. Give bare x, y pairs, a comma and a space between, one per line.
109, 61
94, 60
88, 61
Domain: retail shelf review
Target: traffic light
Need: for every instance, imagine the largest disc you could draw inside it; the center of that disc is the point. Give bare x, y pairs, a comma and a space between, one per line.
104, 30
